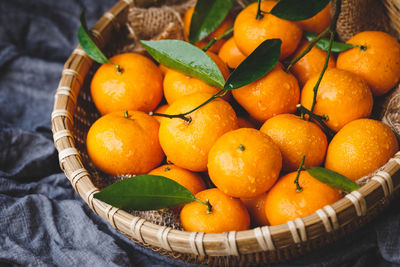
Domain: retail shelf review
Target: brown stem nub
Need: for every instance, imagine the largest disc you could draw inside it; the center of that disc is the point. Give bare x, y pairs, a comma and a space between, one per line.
296, 181
241, 148
119, 69
207, 203
126, 115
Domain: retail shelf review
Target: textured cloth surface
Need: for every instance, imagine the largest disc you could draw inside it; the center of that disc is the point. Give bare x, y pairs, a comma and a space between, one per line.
43, 222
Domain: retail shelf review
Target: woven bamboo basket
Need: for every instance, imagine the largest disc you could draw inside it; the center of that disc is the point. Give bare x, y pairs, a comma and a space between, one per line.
74, 112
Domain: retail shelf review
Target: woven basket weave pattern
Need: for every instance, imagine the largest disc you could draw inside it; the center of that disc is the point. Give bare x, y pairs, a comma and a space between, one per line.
74, 112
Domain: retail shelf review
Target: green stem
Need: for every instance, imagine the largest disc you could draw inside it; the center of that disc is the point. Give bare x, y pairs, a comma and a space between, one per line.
207, 203
182, 116
328, 54
216, 39
332, 28
296, 181
126, 115
308, 48
259, 14
320, 119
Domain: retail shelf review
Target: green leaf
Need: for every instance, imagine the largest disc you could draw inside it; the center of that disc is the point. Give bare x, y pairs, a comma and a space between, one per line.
145, 192
186, 58
333, 179
256, 65
207, 16
298, 9
324, 43
87, 44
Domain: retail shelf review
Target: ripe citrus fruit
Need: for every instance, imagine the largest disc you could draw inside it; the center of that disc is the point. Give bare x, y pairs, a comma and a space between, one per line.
177, 84
311, 64
378, 61
256, 209
275, 93
225, 25
318, 23
119, 144
227, 214
250, 32
230, 54
244, 163
138, 87
342, 95
187, 144
361, 147
283, 203
192, 181
295, 138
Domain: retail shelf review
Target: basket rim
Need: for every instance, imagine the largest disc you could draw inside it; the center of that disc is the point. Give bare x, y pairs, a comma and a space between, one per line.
331, 218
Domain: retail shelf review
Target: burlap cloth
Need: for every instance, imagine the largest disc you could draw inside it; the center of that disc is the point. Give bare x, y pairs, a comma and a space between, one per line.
165, 22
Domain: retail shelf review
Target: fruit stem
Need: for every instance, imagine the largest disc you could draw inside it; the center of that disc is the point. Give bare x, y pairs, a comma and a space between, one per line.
308, 48
332, 28
119, 69
126, 115
179, 116
241, 148
207, 203
182, 116
260, 13
296, 181
320, 119
328, 54
216, 39
362, 47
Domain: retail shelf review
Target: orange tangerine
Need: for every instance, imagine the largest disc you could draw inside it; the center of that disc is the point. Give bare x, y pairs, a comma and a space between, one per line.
119, 144
230, 54
295, 138
284, 204
250, 32
342, 95
138, 87
361, 147
227, 214
244, 163
377, 62
275, 93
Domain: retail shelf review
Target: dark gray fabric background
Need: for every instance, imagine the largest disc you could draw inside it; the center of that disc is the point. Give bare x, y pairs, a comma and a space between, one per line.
43, 222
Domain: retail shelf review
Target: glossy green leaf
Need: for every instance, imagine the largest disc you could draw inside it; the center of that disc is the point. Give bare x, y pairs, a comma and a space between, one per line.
324, 43
333, 179
145, 192
186, 58
207, 16
88, 45
298, 9
256, 65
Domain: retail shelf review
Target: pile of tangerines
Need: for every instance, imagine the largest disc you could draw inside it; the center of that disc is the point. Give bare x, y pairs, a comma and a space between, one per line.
252, 159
